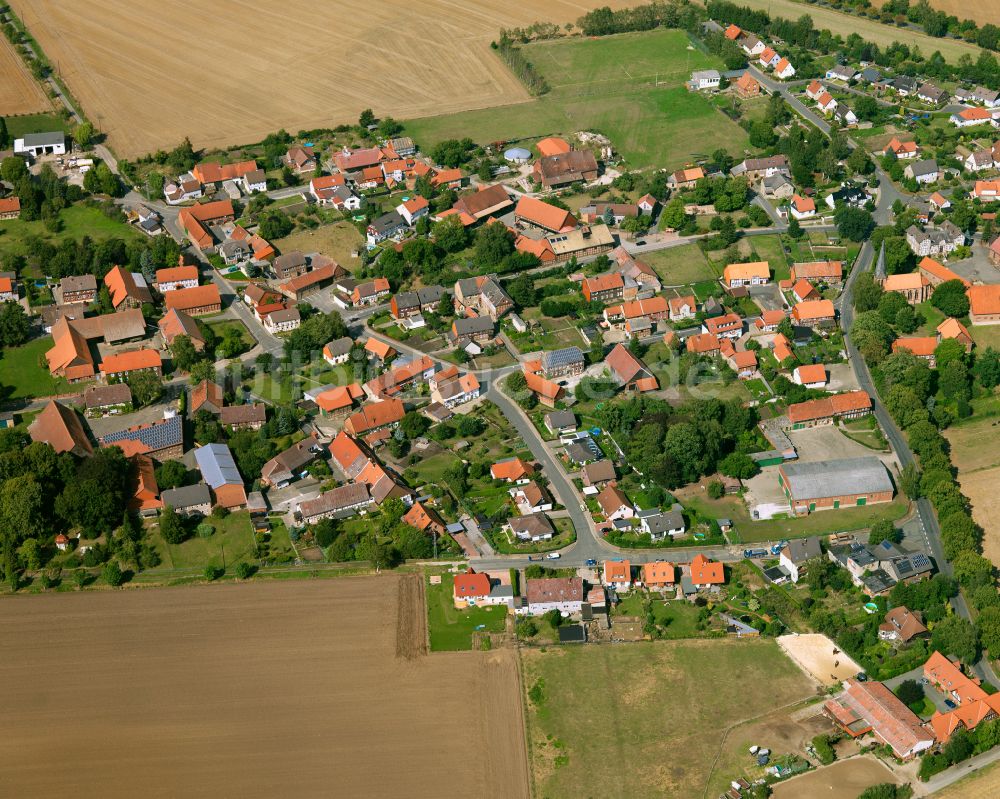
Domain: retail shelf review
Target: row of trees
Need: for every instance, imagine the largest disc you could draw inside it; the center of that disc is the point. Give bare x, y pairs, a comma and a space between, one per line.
513, 56
922, 401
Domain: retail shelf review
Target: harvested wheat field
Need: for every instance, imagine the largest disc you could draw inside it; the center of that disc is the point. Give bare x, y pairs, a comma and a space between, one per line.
978, 462
262, 689
818, 657
229, 72
981, 489
980, 13
20, 93
983, 783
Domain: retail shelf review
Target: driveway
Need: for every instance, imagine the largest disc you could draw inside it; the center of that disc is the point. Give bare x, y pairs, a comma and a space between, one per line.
978, 268
842, 378
112, 424
827, 442
768, 297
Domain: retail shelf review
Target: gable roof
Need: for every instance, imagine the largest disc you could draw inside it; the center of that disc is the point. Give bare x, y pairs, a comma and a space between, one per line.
625, 365
511, 469
471, 584
748, 271
192, 298
811, 373
984, 300
611, 499
60, 428
217, 466
706, 572
544, 215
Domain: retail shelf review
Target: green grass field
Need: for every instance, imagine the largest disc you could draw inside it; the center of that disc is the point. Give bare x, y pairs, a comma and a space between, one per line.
645, 719
232, 542
451, 629
23, 375
19, 126
608, 85
768, 248
78, 221
986, 336
680, 266
596, 65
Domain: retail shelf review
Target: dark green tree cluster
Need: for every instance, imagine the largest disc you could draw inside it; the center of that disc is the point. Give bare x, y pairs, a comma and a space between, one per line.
674, 446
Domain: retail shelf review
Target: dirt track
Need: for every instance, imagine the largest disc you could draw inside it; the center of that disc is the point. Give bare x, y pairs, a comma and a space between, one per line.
20, 93
264, 689
231, 71
813, 653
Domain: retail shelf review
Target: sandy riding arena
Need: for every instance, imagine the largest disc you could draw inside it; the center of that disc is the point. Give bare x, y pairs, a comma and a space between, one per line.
263, 689
20, 93
843, 780
814, 654
229, 72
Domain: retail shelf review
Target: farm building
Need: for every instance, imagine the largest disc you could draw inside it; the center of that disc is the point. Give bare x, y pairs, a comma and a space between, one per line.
825, 485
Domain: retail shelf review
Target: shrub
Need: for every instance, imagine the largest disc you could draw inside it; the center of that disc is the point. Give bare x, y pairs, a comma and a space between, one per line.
825, 753
244, 570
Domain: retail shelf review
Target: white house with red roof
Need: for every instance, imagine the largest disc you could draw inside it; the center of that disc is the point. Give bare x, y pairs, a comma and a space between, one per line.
411, 210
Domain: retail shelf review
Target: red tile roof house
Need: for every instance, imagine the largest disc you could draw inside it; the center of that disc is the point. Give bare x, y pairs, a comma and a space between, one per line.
706, 573
618, 574
850, 405
921, 346
424, 519
60, 428
984, 304
815, 313
538, 214
682, 307
184, 276
471, 588
658, 575
629, 371
196, 301
974, 704
125, 364
127, 289
871, 707
818, 271
564, 594
375, 416
197, 220
728, 325
512, 470
811, 376
614, 504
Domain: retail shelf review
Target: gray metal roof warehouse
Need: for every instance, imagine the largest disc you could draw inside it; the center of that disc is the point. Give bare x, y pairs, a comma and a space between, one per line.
845, 477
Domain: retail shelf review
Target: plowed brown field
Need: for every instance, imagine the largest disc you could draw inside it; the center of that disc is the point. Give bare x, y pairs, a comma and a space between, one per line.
19, 91
231, 71
261, 689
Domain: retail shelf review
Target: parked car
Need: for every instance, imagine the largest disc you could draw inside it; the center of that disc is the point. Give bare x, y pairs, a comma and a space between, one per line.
951, 705
591, 562
553, 556
532, 557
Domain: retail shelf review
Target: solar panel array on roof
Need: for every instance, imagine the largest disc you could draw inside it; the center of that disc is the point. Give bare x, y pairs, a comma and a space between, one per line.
216, 464
156, 436
557, 359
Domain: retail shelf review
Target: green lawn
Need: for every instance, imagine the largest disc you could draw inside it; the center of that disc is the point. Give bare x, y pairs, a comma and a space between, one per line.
450, 628
645, 719
681, 266
986, 336
768, 248
679, 618
607, 86
78, 221
232, 542
221, 326
23, 374
19, 126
